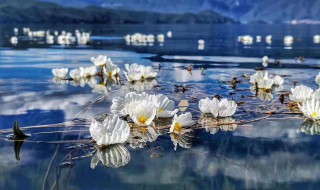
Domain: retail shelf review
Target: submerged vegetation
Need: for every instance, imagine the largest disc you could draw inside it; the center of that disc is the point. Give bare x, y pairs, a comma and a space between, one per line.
138, 118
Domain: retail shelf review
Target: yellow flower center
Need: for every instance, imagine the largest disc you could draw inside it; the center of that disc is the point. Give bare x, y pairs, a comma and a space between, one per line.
177, 127
143, 119
314, 114
160, 110
110, 73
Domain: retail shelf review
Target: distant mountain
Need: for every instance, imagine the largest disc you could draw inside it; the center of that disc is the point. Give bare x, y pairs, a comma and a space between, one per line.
242, 10
29, 11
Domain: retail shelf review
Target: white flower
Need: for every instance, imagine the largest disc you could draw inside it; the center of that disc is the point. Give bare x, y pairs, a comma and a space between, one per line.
148, 72
259, 76
99, 61
311, 108
77, 74
134, 72
165, 107
318, 79
143, 113
205, 105
121, 106
111, 70
278, 80
223, 108
90, 71
226, 108
316, 94
183, 120
265, 61
113, 156
60, 73
112, 130
265, 84
300, 93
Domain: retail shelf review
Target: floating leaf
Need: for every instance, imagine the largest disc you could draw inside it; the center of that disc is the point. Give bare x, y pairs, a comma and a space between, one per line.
183, 105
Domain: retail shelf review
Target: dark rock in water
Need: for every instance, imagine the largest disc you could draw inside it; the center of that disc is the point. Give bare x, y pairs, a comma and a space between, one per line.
17, 133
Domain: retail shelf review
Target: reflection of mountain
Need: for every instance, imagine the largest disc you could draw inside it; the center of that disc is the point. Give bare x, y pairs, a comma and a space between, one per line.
18, 11
244, 10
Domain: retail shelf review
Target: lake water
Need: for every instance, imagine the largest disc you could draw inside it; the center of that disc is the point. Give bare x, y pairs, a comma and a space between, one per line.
276, 152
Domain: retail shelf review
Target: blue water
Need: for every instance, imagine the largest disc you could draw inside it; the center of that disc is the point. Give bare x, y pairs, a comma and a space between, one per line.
274, 153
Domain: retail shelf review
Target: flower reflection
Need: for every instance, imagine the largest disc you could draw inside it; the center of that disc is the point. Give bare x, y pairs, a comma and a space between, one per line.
141, 86
264, 95
184, 140
310, 127
213, 125
113, 156
141, 135
59, 81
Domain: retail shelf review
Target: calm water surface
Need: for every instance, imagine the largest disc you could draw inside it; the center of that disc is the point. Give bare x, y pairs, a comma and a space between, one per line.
280, 152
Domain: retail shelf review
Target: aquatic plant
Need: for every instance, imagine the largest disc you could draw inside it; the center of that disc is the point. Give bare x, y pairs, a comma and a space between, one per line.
60, 73
100, 60
278, 80
143, 113
137, 72
301, 93
262, 80
181, 121
112, 130
165, 107
77, 74
218, 108
90, 71
134, 72
316, 94
311, 108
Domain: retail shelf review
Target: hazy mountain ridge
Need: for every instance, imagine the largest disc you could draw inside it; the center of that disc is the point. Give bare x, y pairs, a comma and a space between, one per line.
243, 10
28, 11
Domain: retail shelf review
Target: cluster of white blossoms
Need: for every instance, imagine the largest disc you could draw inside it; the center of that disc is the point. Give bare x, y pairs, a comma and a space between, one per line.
262, 80
81, 76
143, 109
308, 101
218, 108
137, 72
